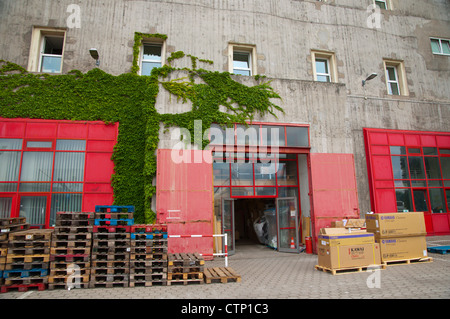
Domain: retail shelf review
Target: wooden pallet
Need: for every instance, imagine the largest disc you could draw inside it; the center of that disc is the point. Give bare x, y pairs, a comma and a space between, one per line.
31, 235
407, 261
221, 275
23, 288
184, 259
60, 285
185, 282
349, 270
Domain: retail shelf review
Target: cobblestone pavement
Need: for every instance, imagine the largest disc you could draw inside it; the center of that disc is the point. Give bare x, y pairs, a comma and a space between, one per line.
267, 274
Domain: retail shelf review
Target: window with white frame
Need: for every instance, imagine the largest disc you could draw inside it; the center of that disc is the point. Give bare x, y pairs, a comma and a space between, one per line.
242, 62
440, 46
151, 57
395, 77
392, 80
323, 70
46, 50
324, 66
242, 59
51, 54
383, 4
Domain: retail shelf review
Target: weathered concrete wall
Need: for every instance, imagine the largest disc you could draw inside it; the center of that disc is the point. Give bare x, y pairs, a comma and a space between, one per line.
336, 119
284, 32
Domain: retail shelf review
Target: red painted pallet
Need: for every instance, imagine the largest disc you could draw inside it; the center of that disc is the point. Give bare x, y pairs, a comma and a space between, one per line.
111, 229
23, 288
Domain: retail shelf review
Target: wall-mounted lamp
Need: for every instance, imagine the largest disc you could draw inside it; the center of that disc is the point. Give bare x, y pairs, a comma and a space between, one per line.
370, 77
95, 56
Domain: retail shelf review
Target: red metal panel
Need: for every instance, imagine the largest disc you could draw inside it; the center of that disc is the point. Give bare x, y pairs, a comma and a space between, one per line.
184, 199
443, 141
385, 201
378, 138
428, 140
334, 190
44, 129
396, 139
91, 200
440, 223
103, 132
412, 140
72, 130
100, 146
99, 167
382, 167
10, 129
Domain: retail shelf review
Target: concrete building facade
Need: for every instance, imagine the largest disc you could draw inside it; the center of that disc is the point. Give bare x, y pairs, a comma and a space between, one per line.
317, 55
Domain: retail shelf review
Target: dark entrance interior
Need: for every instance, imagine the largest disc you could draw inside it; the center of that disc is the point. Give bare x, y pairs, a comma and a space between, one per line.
255, 222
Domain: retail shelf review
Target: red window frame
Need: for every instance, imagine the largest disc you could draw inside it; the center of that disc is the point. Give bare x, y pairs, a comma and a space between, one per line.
100, 140
253, 150
378, 143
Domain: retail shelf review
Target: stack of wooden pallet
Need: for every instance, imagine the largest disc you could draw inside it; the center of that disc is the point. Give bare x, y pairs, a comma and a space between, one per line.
111, 246
71, 250
27, 260
8, 225
185, 269
148, 256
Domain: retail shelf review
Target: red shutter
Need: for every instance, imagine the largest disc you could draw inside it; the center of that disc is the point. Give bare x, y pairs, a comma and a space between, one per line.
184, 200
334, 191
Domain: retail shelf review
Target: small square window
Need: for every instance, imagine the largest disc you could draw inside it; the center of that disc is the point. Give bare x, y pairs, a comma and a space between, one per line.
323, 70
440, 46
324, 66
46, 51
242, 63
151, 58
241, 59
383, 4
395, 78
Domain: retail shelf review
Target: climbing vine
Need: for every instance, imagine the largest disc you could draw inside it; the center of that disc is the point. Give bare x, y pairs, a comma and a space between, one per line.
130, 100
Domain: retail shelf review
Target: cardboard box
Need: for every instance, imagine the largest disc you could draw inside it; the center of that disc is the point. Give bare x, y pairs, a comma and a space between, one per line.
401, 248
396, 224
337, 224
340, 239
349, 256
354, 223
340, 230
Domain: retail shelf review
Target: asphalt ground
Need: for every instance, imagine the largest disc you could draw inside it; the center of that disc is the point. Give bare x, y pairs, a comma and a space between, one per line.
271, 283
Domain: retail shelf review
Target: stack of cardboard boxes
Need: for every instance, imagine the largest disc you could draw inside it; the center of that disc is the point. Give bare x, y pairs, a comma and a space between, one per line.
401, 236
379, 239
346, 248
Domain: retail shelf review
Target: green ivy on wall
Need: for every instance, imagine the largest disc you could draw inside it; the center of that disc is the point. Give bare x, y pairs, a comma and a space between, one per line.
130, 100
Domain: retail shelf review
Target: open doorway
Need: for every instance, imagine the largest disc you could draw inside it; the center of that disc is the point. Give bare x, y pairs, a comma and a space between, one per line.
255, 222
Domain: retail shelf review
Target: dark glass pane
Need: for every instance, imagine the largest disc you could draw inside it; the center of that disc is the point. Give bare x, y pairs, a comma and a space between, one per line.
400, 167
416, 167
